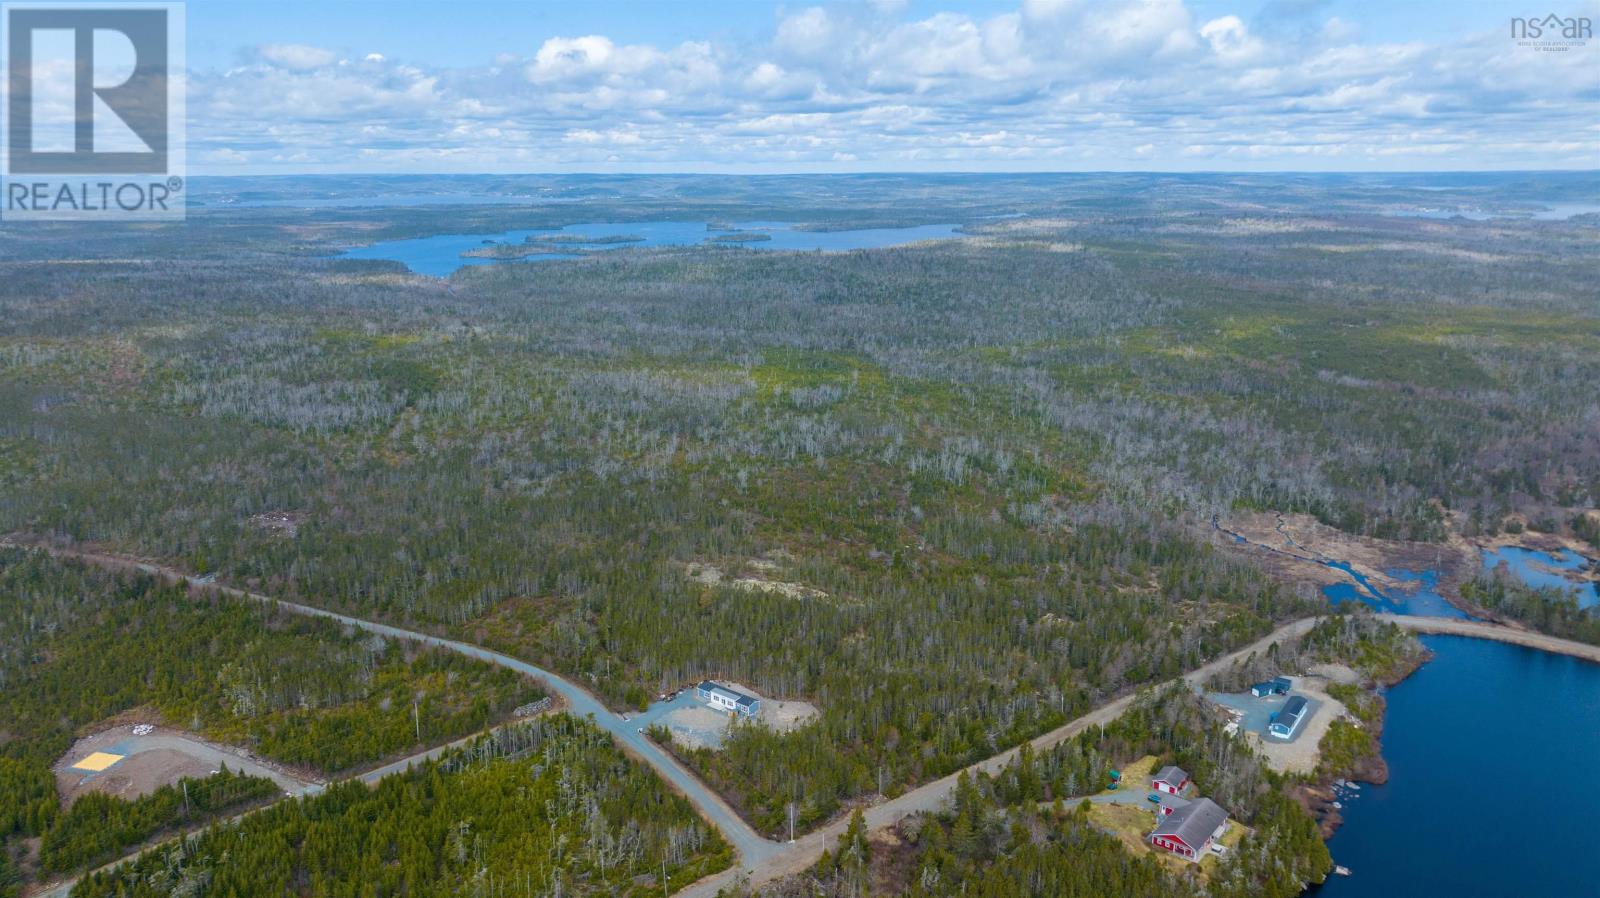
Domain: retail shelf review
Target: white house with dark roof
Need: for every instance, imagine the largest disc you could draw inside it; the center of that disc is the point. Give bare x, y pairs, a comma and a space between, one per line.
1189, 830
724, 699
1170, 779
1288, 719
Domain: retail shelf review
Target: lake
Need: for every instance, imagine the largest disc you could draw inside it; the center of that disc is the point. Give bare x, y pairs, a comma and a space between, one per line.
1535, 569
1490, 748
1478, 741
1547, 212
440, 255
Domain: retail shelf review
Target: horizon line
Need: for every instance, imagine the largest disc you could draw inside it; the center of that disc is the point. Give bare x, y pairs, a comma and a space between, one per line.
906, 172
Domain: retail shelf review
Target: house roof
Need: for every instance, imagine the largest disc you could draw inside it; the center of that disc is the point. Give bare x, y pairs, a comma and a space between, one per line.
738, 698
1291, 711
1171, 774
1174, 802
1284, 682
1194, 822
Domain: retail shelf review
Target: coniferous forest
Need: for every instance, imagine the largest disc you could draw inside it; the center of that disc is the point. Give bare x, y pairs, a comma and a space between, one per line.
82, 645
544, 807
951, 494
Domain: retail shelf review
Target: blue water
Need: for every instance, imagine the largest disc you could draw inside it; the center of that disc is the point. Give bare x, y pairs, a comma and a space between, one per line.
380, 201
1488, 747
1525, 565
1422, 598
1547, 212
440, 255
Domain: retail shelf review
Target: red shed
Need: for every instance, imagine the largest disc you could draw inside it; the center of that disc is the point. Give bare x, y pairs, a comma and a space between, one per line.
1170, 780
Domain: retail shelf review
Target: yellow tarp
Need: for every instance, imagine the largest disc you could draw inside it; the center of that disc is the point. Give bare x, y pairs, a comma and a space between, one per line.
97, 762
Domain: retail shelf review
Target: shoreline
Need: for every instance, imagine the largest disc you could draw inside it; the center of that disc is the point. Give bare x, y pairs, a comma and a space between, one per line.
1318, 796
1497, 632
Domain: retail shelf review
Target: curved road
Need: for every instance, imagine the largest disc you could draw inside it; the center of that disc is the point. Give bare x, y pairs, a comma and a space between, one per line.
752, 848
762, 860
805, 851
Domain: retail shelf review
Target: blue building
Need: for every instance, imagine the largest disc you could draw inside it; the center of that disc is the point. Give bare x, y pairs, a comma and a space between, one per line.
1275, 686
724, 699
1287, 721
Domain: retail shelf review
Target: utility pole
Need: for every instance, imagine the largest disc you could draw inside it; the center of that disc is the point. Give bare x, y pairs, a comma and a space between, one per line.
185, 784
791, 823
416, 718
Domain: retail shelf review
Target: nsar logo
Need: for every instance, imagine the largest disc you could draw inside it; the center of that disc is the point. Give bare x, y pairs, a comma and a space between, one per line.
1552, 33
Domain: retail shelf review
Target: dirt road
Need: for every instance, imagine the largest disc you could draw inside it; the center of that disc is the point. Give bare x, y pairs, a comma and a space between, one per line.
805, 851
762, 860
1498, 632
752, 848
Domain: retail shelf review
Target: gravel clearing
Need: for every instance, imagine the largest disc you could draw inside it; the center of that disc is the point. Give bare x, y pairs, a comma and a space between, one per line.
156, 759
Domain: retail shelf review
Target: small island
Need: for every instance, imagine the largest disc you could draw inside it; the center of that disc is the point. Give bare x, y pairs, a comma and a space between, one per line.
542, 244
568, 239
513, 251
739, 237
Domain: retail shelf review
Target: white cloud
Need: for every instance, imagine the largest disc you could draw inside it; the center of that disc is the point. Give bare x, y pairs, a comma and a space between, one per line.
1231, 40
1051, 83
808, 34
299, 57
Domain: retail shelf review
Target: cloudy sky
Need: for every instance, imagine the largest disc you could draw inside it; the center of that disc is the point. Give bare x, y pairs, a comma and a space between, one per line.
896, 85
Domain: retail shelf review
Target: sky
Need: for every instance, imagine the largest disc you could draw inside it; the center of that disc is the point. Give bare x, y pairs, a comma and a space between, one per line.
894, 85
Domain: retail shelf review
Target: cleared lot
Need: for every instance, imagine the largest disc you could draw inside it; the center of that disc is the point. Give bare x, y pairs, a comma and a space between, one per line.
120, 763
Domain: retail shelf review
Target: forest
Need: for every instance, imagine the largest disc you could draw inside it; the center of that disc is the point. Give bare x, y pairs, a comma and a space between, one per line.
959, 491
1020, 834
539, 808
1551, 610
80, 645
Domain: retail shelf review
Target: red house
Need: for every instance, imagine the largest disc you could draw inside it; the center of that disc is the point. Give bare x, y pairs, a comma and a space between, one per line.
1188, 830
1170, 780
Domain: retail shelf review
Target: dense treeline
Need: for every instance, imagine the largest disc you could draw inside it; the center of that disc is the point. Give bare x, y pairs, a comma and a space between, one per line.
98, 827
79, 644
1547, 609
1378, 651
27, 797
1021, 834
995, 665
541, 808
